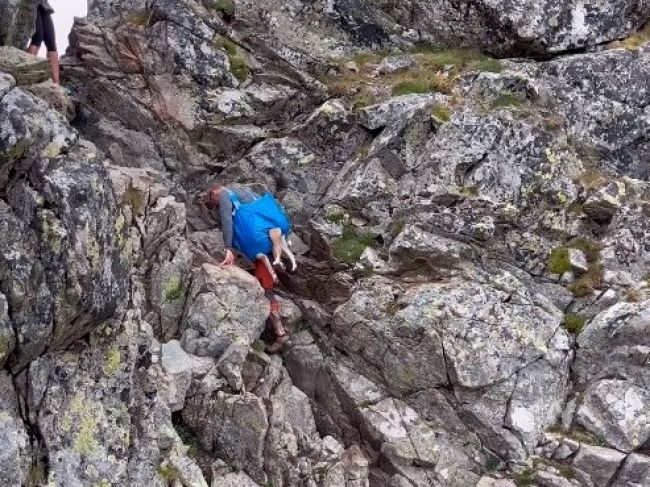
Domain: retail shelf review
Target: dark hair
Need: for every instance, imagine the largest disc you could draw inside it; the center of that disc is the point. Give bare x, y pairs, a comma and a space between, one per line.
212, 196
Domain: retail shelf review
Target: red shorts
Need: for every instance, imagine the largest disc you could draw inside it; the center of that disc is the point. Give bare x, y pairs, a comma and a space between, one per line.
263, 275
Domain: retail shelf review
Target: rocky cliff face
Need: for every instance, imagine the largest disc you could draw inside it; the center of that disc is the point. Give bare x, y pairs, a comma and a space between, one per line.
472, 302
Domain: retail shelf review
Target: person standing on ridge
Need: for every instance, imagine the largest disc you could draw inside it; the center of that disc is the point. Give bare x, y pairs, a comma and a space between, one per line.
45, 32
222, 198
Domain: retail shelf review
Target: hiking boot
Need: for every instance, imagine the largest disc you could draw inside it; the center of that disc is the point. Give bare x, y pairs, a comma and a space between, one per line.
278, 344
276, 324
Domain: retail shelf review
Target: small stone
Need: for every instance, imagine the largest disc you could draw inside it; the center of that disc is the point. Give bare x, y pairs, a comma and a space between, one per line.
351, 66
602, 205
7, 82
578, 260
372, 261
563, 452
181, 368
549, 479
394, 64
567, 278
549, 449
492, 482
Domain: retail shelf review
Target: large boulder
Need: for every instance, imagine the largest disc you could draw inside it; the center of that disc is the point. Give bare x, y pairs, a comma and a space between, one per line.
501, 26
226, 305
269, 431
25, 68
609, 362
62, 260
100, 416
509, 355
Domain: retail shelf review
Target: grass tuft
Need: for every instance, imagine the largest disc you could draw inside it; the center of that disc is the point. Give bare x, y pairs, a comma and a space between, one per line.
226, 7
411, 87
574, 323
507, 100
167, 472
463, 59
589, 247
591, 179
441, 112
525, 479
634, 41
437, 70
174, 289
238, 66
588, 282
593, 278
140, 18
558, 261
349, 247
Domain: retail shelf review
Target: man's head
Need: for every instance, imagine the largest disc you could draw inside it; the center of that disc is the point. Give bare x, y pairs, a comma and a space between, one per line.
214, 193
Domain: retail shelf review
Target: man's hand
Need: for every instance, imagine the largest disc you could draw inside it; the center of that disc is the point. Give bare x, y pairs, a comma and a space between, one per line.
230, 258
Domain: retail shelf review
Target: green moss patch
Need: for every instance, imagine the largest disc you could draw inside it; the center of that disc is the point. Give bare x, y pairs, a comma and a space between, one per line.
238, 66
173, 289
226, 7
558, 261
525, 479
441, 112
436, 69
578, 433
349, 247
338, 217
112, 360
410, 87
167, 472
464, 59
140, 18
574, 323
507, 100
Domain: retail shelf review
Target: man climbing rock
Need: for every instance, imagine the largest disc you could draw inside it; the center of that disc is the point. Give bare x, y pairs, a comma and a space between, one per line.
222, 198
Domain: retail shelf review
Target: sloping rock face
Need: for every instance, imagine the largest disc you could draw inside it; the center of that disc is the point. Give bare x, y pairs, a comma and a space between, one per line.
471, 303
17, 22
501, 26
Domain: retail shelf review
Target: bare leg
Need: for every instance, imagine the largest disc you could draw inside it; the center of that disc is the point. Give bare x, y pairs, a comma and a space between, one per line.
289, 254
281, 336
53, 57
276, 239
267, 263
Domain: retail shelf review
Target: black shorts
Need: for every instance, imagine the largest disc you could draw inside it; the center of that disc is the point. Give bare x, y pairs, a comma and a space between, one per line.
44, 30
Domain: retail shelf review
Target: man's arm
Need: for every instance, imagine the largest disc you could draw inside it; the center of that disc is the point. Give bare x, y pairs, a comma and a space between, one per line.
225, 211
